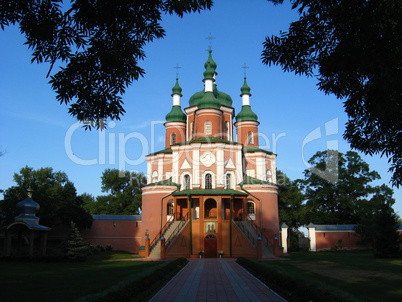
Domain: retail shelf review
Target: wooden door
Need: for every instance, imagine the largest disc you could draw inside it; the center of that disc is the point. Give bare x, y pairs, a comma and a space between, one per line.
211, 246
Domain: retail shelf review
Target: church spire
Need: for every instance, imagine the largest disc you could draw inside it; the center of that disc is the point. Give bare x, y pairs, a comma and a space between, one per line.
209, 73
246, 114
176, 114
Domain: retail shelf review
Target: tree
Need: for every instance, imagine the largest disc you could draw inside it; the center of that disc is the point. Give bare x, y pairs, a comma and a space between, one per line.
346, 200
354, 49
290, 201
124, 193
54, 192
76, 249
380, 230
291, 207
99, 44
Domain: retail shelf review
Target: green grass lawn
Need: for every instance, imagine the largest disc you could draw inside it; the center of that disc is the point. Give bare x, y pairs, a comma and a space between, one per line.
69, 281
356, 273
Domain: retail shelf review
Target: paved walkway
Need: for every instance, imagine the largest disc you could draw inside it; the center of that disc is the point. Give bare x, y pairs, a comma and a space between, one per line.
215, 280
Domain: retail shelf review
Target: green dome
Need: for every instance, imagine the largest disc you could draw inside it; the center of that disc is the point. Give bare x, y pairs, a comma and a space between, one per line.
209, 73
176, 88
210, 61
176, 115
209, 101
223, 98
213, 99
245, 89
246, 114
210, 66
195, 98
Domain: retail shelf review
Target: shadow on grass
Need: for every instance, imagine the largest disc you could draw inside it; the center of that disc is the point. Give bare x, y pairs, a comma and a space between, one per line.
343, 275
70, 281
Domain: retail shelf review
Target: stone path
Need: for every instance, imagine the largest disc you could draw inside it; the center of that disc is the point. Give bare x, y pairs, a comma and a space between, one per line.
215, 280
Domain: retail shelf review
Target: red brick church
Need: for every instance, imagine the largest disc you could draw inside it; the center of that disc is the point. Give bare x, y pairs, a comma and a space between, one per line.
212, 188
210, 191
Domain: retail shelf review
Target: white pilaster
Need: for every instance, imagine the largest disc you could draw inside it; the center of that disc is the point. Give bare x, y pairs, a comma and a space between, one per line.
239, 166
284, 238
196, 167
175, 167
220, 163
160, 169
311, 236
260, 168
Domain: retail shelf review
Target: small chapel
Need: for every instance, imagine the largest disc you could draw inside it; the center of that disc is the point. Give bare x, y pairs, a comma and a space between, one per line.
211, 191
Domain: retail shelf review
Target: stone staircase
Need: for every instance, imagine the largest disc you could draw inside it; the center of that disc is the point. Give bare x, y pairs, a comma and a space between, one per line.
170, 234
251, 233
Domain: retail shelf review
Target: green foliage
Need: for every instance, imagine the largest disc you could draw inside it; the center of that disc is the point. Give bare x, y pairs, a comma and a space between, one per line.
124, 196
76, 248
99, 43
54, 192
380, 230
291, 208
344, 194
290, 201
355, 51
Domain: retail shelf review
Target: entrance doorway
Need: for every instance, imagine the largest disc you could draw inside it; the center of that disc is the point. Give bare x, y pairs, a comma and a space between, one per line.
211, 246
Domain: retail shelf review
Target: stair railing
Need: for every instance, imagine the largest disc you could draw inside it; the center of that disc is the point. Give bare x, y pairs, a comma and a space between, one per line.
176, 231
245, 231
257, 230
158, 236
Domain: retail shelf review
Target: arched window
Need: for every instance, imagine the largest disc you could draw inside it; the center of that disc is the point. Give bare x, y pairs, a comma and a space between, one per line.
251, 210
210, 208
173, 138
186, 181
208, 181
170, 207
208, 128
250, 138
228, 181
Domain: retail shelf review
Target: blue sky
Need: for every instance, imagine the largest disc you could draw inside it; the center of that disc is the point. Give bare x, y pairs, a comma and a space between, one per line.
296, 119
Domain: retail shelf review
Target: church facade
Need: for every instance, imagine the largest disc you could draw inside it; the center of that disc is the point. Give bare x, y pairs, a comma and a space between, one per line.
211, 190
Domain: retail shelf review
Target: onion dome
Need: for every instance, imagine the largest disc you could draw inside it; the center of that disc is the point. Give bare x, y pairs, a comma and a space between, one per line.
210, 61
195, 98
209, 101
246, 114
224, 98
176, 115
28, 208
176, 88
210, 97
245, 89
210, 67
